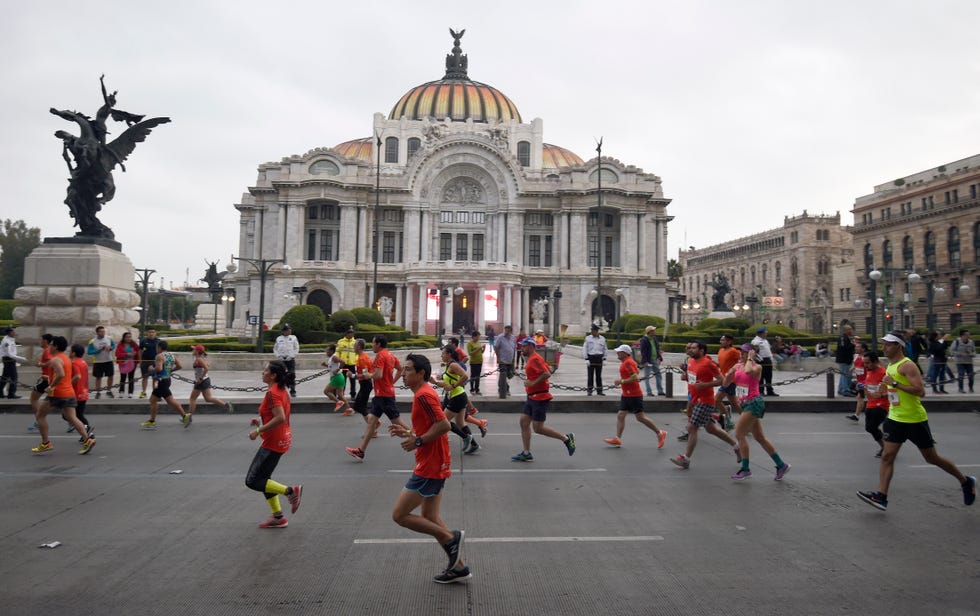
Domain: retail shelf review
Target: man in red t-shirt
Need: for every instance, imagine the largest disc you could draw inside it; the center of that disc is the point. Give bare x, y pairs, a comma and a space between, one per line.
728, 356
857, 370
703, 376
386, 370
427, 438
876, 407
631, 401
538, 400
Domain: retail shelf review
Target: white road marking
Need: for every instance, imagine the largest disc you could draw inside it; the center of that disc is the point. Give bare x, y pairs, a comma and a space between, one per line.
523, 469
862, 433
516, 540
933, 466
72, 436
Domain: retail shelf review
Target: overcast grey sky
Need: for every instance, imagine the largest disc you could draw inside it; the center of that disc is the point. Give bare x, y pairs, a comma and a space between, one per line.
749, 110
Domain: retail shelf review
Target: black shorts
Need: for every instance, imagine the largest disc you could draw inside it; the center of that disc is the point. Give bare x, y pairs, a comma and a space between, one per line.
727, 389
60, 404
104, 368
898, 432
363, 394
147, 366
41, 385
631, 404
203, 385
162, 390
537, 409
384, 406
457, 404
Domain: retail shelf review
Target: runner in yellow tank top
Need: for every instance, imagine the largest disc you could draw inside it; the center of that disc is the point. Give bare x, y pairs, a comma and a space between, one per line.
907, 420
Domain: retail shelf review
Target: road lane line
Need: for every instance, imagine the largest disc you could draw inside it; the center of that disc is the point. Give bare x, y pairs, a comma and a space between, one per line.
516, 540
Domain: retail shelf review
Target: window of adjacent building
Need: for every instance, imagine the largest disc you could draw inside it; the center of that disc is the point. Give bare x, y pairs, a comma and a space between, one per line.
391, 150
477, 246
886, 253
953, 245
463, 217
973, 191
869, 256
765, 273
954, 284
841, 293
324, 167
948, 200
848, 293
955, 320
752, 275
414, 143
524, 153
924, 204
742, 274
462, 247
779, 273
391, 224
908, 259
322, 232
593, 243
976, 244
930, 250
445, 246
388, 247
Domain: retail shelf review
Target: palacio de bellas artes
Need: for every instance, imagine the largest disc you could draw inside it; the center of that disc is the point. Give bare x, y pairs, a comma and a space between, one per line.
478, 222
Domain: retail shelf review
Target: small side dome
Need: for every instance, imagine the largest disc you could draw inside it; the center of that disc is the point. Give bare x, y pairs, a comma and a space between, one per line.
554, 156
360, 149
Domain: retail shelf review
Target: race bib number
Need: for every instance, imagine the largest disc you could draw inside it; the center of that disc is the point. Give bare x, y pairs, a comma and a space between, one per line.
872, 389
893, 397
742, 391
692, 378
858, 371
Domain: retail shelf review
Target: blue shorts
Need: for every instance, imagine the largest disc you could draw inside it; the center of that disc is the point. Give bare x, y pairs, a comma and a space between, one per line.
537, 409
383, 405
427, 488
727, 389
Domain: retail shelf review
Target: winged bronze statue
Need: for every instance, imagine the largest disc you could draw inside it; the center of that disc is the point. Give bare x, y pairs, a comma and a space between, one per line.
91, 160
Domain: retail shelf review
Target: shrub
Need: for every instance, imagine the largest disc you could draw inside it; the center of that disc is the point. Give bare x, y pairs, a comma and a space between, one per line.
636, 322
340, 320
303, 319
7, 309
368, 316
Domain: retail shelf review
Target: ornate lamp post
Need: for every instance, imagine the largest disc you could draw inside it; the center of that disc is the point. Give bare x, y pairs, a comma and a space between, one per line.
377, 209
227, 297
262, 266
557, 297
144, 278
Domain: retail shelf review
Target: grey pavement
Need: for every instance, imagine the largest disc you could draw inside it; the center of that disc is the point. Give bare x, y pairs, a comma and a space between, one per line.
607, 531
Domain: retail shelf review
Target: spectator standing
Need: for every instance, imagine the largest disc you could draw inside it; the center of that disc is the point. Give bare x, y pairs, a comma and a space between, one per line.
963, 350
650, 357
844, 356
8, 353
519, 357
101, 349
761, 343
475, 349
505, 347
127, 355
286, 349
594, 352
937, 363
147, 356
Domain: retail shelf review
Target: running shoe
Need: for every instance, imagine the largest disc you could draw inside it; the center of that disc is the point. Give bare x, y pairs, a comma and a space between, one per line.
339, 405
149, 425
294, 497
880, 451
472, 411
682, 461
570, 443
230, 408
781, 471
453, 575
454, 547
348, 412
356, 452
875, 499
661, 437
33, 427
41, 448
473, 448
274, 522
187, 419
738, 453
98, 395
467, 440
683, 438
852, 417
523, 457
615, 442
970, 491
71, 428
743, 473
142, 394
130, 396
87, 447
89, 433
483, 427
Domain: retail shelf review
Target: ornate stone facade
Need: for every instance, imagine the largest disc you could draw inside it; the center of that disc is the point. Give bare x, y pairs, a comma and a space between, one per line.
473, 201
783, 275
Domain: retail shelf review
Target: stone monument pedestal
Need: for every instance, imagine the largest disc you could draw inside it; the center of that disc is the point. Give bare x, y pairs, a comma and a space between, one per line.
72, 285
721, 314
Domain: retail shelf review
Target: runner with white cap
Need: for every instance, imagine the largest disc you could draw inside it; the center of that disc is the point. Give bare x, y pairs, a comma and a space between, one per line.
631, 400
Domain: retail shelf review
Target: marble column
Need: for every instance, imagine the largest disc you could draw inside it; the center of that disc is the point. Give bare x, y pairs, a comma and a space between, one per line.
506, 315
425, 235
525, 302
480, 309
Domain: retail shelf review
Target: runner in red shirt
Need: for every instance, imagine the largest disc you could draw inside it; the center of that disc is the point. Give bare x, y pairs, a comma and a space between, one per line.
703, 376
427, 438
42, 383
538, 400
876, 409
387, 370
858, 370
79, 380
631, 401
277, 436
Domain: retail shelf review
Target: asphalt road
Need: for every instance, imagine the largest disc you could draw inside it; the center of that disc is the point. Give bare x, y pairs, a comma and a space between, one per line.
608, 531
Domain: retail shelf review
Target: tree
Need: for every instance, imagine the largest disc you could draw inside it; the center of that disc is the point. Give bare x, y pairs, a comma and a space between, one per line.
674, 269
16, 242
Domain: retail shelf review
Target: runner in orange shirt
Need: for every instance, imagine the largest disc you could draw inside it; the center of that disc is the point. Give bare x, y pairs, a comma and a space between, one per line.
538, 401
876, 407
728, 356
60, 397
631, 400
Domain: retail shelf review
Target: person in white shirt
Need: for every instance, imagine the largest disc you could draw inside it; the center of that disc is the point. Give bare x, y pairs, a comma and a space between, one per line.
102, 348
765, 356
594, 351
286, 349
8, 353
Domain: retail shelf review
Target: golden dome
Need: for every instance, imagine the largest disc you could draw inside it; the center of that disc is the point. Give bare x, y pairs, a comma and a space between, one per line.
455, 99
553, 156
356, 148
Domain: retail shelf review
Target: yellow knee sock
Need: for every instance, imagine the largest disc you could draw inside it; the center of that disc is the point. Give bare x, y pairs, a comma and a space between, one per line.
274, 487
274, 504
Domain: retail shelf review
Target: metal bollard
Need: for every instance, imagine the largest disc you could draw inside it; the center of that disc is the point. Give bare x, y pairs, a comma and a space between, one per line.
670, 384
831, 388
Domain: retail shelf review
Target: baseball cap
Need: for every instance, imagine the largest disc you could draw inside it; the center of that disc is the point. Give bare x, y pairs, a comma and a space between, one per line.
198, 347
892, 337
761, 330
8, 329
350, 330
650, 328
594, 326
747, 347
527, 341
729, 336
624, 348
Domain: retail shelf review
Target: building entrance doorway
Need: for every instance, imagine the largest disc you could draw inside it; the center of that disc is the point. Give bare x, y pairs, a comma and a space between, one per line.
320, 298
463, 312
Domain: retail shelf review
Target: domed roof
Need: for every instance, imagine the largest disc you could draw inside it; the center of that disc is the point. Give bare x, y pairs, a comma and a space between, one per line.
455, 96
356, 148
553, 156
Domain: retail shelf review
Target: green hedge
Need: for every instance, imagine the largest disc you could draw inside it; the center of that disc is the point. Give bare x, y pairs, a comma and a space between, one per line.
7, 309
368, 316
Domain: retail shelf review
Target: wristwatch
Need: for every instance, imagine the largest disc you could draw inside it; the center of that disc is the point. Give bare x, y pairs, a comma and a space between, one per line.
418, 441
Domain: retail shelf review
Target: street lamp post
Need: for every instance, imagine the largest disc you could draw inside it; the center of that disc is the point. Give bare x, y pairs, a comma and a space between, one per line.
377, 208
751, 301
557, 297
144, 278
619, 316
227, 297
874, 276
262, 266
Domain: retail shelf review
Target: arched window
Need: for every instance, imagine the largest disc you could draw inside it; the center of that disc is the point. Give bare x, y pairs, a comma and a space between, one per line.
953, 246
886, 253
869, 257
930, 251
391, 150
779, 272
976, 245
414, 143
524, 153
908, 259
765, 273
752, 275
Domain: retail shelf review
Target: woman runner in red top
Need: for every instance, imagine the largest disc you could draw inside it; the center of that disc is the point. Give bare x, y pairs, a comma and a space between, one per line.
273, 427
876, 409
